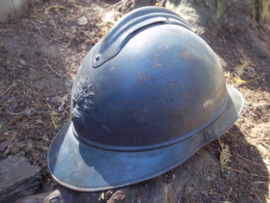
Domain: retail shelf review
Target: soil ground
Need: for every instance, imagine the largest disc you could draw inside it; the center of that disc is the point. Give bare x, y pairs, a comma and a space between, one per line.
39, 56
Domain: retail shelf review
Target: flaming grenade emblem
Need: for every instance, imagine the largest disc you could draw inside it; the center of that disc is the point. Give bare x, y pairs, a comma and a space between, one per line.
82, 102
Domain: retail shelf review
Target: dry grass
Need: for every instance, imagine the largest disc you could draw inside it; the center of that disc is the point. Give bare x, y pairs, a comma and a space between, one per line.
224, 154
264, 11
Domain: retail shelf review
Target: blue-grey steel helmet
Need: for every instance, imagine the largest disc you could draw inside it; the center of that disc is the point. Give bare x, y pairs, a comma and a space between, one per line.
146, 97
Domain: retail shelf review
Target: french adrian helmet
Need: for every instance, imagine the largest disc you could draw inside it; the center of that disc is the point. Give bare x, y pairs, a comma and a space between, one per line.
146, 97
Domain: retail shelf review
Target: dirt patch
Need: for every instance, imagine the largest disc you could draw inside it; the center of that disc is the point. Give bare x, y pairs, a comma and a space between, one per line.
39, 57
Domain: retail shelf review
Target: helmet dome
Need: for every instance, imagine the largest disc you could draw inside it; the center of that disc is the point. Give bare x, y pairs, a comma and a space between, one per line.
149, 90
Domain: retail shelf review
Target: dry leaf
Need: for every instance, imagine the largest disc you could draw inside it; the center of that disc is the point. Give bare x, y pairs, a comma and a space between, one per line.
66, 45
253, 80
1, 44
82, 21
54, 121
29, 145
241, 68
267, 198
8, 149
47, 10
50, 107
237, 80
188, 190
227, 73
4, 145
39, 121
24, 21
14, 149
23, 62
77, 6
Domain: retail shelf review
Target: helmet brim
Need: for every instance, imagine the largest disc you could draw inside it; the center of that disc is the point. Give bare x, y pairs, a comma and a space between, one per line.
81, 167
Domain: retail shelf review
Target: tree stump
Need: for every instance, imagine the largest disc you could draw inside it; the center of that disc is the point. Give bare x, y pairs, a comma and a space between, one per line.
179, 183
17, 178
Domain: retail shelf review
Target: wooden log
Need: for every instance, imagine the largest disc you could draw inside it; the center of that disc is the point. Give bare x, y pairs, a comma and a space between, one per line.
175, 185
18, 178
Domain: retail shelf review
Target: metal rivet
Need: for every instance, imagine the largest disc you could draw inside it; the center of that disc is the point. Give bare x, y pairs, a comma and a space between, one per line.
97, 57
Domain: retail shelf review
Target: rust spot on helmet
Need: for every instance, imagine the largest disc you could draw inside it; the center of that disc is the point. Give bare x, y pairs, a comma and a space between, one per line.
140, 112
140, 77
126, 101
156, 66
187, 56
85, 171
168, 88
